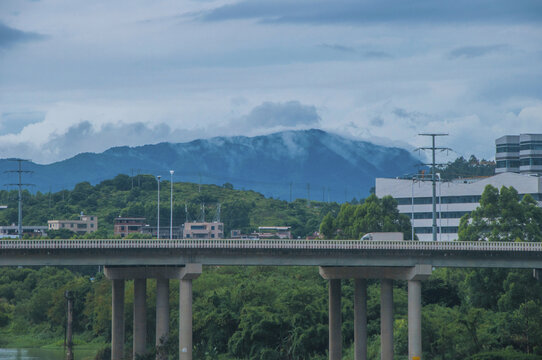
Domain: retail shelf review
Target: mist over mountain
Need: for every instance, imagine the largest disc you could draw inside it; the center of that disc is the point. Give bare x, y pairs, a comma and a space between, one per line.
324, 165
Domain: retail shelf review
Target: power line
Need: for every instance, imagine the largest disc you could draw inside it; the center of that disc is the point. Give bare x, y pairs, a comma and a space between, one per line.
433, 164
20, 171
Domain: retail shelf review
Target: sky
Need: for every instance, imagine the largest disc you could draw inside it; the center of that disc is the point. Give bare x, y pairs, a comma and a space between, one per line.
84, 76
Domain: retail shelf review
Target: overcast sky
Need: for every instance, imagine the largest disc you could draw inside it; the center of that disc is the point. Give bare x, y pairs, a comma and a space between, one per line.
79, 75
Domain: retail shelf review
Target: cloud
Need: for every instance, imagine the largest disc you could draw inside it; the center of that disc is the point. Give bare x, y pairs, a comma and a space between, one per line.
14, 123
377, 121
338, 47
468, 52
287, 114
10, 36
375, 11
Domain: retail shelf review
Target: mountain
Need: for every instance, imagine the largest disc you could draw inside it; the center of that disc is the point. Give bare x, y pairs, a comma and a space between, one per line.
324, 165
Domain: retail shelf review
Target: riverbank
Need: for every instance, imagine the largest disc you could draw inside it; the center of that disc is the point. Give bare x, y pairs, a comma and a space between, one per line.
49, 343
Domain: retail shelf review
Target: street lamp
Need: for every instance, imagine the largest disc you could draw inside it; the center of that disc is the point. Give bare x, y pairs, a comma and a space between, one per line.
158, 220
171, 207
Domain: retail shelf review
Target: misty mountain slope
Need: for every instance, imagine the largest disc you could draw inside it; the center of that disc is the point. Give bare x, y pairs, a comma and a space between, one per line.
326, 165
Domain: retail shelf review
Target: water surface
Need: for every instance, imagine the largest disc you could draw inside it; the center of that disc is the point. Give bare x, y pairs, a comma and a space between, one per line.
43, 354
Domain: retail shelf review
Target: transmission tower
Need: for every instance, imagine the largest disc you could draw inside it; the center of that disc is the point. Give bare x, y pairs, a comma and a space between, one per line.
433, 164
20, 184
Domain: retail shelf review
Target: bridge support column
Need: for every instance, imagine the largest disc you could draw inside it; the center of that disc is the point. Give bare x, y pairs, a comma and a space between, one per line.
414, 320
537, 273
117, 320
386, 319
335, 321
140, 317
360, 319
162, 309
189, 272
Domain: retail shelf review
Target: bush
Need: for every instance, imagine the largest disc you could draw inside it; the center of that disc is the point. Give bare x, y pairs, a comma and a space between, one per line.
503, 355
103, 354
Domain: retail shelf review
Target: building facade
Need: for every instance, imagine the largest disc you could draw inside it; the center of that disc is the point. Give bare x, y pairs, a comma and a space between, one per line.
274, 232
203, 230
128, 225
86, 224
519, 153
454, 199
12, 231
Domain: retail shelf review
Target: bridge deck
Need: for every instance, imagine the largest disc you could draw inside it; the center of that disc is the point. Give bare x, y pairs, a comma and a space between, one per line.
270, 252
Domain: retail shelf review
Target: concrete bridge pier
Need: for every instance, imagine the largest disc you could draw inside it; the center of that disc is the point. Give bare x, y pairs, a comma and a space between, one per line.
386, 319
162, 309
414, 275
335, 320
118, 275
140, 317
117, 320
188, 273
360, 319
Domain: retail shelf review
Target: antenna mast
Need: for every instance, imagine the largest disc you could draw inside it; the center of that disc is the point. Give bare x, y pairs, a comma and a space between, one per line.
20, 171
433, 148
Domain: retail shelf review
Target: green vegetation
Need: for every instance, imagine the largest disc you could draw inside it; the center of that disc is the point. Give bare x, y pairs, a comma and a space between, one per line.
502, 216
372, 215
462, 168
262, 313
137, 197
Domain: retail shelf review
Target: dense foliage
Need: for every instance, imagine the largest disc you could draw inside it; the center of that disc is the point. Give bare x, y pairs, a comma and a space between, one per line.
503, 216
462, 168
137, 197
372, 215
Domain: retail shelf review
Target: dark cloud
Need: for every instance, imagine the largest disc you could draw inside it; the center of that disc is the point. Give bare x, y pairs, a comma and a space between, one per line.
84, 137
371, 11
10, 36
377, 121
14, 123
474, 51
338, 47
411, 115
291, 113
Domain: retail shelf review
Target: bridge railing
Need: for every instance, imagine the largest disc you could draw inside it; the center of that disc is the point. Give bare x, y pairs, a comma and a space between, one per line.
269, 244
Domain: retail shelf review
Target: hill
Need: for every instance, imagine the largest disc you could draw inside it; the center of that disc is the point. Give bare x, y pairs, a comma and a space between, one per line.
285, 165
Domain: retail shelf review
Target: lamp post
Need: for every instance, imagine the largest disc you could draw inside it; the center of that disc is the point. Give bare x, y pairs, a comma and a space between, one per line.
171, 206
158, 220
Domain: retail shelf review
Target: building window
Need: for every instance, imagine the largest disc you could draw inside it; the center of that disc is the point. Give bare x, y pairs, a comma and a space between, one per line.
212, 235
212, 227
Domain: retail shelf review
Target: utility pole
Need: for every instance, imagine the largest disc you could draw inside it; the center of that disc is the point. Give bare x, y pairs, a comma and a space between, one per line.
20, 171
290, 191
171, 172
308, 194
158, 215
433, 164
69, 328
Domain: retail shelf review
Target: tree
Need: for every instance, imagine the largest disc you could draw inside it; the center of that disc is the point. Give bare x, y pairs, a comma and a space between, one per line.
373, 215
501, 216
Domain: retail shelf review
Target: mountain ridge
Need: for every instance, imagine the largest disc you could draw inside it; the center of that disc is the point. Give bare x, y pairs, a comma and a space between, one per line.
335, 167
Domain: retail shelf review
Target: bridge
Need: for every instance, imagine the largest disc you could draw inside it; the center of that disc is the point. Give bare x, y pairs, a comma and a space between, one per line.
338, 259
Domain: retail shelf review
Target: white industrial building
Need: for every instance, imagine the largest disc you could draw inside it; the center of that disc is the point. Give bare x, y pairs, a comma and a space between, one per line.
454, 199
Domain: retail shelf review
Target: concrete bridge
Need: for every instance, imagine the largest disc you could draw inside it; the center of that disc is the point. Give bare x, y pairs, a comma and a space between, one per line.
338, 259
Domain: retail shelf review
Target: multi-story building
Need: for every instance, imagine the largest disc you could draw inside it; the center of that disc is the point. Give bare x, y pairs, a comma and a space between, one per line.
519, 153
12, 231
86, 224
128, 225
152, 231
274, 232
454, 199
203, 230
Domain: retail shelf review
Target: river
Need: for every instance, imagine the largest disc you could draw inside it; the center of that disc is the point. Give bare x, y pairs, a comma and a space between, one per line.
43, 354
